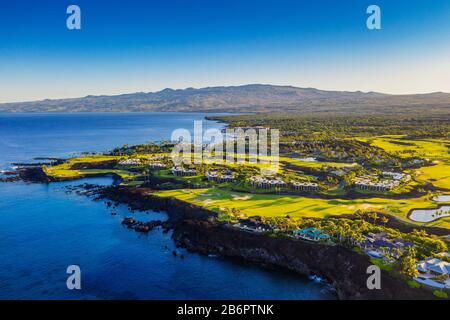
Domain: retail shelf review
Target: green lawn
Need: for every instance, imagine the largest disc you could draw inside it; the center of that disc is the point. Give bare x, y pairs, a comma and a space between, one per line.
63, 170
430, 148
277, 205
438, 174
316, 164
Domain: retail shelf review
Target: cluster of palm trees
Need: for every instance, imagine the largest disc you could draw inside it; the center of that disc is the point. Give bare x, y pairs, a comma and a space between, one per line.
440, 213
408, 262
372, 216
343, 231
350, 233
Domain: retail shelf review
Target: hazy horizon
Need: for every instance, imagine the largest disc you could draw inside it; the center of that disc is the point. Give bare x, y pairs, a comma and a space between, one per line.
134, 46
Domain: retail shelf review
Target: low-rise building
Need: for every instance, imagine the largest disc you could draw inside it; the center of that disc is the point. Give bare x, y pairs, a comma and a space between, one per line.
252, 225
393, 175
433, 266
179, 171
153, 158
266, 183
311, 234
130, 162
157, 165
338, 172
381, 185
385, 182
219, 176
401, 243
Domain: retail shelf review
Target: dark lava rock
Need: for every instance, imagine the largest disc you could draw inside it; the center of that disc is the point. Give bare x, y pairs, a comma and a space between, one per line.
94, 165
33, 174
196, 229
129, 221
147, 226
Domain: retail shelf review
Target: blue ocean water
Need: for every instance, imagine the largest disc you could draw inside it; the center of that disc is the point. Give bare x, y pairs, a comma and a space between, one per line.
44, 229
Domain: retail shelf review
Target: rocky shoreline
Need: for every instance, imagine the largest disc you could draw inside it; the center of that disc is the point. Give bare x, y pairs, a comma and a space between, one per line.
196, 229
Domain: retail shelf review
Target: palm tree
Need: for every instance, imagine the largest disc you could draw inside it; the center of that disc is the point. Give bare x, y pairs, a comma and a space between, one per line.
363, 226
340, 234
358, 214
408, 263
397, 252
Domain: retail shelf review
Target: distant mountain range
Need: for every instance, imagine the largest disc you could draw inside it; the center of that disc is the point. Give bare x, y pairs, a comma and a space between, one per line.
243, 99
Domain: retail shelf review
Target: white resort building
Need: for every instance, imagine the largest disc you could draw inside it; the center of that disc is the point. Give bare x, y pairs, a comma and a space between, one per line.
434, 272
130, 162
382, 185
266, 183
178, 171
157, 165
219, 177
396, 175
304, 186
156, 158
374, 183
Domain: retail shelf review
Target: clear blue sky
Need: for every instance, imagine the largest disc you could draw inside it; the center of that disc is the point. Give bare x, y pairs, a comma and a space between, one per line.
137, 45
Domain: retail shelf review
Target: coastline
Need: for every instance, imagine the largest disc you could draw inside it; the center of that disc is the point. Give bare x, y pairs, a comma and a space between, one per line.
35, 174
196, 229
49, 213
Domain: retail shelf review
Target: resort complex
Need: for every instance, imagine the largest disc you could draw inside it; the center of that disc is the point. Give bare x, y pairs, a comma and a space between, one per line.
373, 182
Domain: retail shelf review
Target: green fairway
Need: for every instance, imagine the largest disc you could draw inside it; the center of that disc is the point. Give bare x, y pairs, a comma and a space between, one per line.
265, 202
317, 164
276, 205
64, 171
438, 174
430, 148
